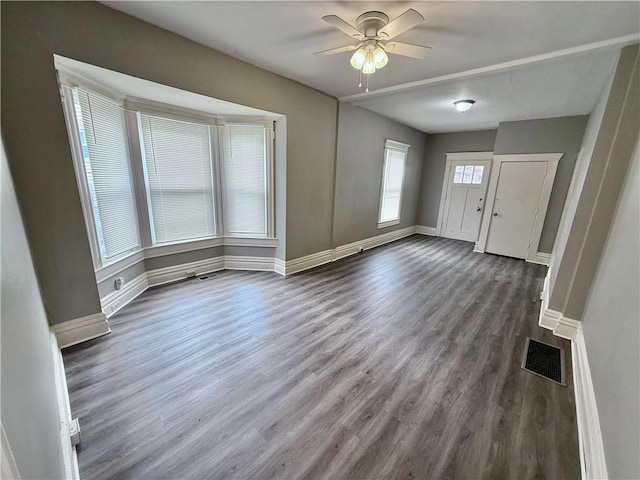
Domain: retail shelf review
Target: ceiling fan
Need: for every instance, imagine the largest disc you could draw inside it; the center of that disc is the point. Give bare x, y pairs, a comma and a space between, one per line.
375, 33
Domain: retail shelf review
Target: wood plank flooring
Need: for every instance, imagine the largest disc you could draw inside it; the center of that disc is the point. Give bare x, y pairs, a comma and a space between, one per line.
401, 362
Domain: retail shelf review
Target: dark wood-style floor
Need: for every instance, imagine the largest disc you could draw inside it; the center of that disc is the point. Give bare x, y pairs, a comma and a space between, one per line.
402, 362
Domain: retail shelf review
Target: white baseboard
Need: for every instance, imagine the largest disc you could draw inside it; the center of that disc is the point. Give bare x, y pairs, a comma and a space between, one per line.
8, 465
308, 261
117, 299
160, 276
422, 230
561, 326
260, 264
279, 266
371, 242
541, 258
81, 329
592, 458
69, 453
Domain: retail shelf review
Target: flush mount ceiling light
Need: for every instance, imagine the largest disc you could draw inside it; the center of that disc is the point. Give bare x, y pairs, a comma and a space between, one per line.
464, 105
374, 32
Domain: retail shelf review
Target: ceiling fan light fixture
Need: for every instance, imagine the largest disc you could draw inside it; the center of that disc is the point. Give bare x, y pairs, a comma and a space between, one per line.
369, 66
358, 58
464, 105
380, 57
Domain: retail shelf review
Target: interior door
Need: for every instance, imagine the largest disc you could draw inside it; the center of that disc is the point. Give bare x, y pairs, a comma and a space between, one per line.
515, 207
464, 202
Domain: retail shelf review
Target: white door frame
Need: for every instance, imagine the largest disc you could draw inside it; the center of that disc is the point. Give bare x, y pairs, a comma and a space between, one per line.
452, 157
552, 160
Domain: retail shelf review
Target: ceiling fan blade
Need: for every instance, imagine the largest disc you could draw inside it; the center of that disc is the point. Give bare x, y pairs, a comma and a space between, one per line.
344, 26
346, 48
404, 22
406, 49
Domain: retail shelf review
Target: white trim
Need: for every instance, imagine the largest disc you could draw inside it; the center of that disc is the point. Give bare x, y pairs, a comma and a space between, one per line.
611, 43
423, 230
388, 223
469, 156
551, 160
8, 466
279, 266
308, 261
114, 301
260, 264
266, 242
371, 242
560, 325
541, 258
160, 276
592, 457
455, 157
395, 145
69, 453
81, 329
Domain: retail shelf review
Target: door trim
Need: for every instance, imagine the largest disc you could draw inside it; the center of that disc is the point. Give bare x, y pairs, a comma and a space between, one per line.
452, 157
552, 160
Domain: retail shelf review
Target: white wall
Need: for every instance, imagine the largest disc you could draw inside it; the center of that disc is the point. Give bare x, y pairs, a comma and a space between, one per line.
611, 326
29, 409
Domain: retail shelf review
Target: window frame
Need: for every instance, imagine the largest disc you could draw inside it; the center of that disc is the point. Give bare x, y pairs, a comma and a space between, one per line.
67, 85
392, 145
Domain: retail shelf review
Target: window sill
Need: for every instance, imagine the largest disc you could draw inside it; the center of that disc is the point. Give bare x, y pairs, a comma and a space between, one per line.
388, 223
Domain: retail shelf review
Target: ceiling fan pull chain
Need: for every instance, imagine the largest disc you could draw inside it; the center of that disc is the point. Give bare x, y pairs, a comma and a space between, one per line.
360, 83
367, 89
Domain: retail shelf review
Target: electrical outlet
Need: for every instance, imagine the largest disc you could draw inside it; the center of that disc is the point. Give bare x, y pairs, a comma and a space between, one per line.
119, 283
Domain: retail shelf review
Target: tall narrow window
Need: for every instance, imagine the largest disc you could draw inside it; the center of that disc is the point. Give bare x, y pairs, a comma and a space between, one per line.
245, 179
395, 155
177, 161
105, 158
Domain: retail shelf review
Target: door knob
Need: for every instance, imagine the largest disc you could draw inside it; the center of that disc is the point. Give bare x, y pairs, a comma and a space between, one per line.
495, 214
478, 209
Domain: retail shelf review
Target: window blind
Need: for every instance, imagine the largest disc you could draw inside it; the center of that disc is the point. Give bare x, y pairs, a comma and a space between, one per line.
179, 176
245, 179
103, 139
393, 176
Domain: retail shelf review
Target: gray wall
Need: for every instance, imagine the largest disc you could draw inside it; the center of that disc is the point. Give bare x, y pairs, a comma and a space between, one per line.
435, 157
574, 270
611, 327
360, 157
29, 412
577, 181
31, 109
550, 135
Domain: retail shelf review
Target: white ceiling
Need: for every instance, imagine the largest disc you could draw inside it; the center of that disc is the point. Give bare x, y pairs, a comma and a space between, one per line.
282, 36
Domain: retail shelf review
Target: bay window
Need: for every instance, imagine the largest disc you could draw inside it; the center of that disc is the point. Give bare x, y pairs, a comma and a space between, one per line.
207, 179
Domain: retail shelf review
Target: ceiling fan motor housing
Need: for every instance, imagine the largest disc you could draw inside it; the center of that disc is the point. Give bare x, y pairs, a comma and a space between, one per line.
370, 22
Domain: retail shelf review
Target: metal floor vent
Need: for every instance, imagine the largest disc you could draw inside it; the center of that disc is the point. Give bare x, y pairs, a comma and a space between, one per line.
544, 360
208, 276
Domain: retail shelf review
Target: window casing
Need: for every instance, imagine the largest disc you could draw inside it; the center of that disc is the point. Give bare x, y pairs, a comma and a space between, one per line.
395, 157
203, 181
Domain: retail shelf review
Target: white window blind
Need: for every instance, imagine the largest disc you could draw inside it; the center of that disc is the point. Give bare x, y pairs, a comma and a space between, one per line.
177, 157
245, 179
392, 180
103, 139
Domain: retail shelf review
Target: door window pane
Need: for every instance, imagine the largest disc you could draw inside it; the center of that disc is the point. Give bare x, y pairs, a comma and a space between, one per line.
468, 174
477, 174
457, 178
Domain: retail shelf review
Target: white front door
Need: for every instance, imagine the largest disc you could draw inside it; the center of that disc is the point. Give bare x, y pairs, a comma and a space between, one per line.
515, 207
465, 198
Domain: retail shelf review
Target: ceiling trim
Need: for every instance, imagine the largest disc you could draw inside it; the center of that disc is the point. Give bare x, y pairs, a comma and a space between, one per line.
604, 44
